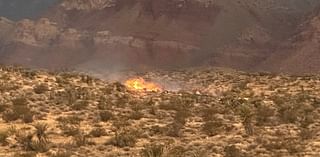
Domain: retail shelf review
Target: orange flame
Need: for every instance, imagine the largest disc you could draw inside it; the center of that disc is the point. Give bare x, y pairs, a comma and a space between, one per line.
139, 84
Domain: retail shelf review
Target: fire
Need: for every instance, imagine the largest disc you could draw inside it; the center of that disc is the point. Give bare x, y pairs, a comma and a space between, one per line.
139, 84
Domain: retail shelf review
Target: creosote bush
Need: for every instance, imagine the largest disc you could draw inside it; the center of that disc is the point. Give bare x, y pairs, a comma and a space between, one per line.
105, 116
3, 138
19, 110
41, 88
98, 132
124, 139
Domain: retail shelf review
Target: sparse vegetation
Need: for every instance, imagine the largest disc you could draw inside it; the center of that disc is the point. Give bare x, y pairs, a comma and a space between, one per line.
79, 115
124, 139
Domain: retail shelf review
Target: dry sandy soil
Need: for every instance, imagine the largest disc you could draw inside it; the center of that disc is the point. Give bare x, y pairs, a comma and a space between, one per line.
201, 112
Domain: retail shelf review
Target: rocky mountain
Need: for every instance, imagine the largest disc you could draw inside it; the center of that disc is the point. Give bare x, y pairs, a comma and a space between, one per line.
96, 35
300, 54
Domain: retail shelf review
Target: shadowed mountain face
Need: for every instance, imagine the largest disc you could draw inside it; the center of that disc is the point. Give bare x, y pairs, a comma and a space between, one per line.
97, 35
19, 9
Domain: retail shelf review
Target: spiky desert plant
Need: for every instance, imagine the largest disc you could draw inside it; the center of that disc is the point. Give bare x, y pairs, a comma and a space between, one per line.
25, 140
39, 146
41, 131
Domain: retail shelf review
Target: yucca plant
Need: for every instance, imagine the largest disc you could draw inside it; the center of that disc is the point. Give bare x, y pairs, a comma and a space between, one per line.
41, 131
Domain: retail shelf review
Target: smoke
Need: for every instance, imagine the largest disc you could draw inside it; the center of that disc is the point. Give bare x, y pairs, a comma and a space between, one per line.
19, 9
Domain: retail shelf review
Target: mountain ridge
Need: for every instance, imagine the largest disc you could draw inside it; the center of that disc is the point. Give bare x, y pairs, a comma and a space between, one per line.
159, 34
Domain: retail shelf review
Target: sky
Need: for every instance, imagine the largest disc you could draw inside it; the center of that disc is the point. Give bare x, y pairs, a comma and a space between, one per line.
19, 9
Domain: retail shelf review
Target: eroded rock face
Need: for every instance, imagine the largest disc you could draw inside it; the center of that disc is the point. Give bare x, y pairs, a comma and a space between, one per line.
160, 33
299, 54
36, 33
87, 5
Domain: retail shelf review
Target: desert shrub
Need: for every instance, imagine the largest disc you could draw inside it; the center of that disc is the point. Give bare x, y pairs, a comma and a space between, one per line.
120, 123
29, 74
212, 128
288, 113
9, 116
40, 88
25, 140
103, 104
25, 154
81, 140
181, 116
61, 153
87, 79
69, 125
153, 150
3, 108
199, 153
136, 115
70, 130
18, 110
232, 151
209, 114
105, 115
263, 114
28, 117
8, 87
177, 151
124, 139
167, 106
74, 120
80, 105
3, 137
307, 119
306, 134
98, 132
174, 129
21, 101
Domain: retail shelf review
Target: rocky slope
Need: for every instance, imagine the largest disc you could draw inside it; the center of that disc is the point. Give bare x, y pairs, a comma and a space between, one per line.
301, 53
97, 35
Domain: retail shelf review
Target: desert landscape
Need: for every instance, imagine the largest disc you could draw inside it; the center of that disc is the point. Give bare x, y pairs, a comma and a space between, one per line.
159, 78
210, 112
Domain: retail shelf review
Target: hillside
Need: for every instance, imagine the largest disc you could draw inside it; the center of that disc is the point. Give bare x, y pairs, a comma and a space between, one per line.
198, 112
300, 54
104, 35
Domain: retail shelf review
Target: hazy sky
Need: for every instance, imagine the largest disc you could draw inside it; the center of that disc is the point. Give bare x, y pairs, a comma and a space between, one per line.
18, 9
